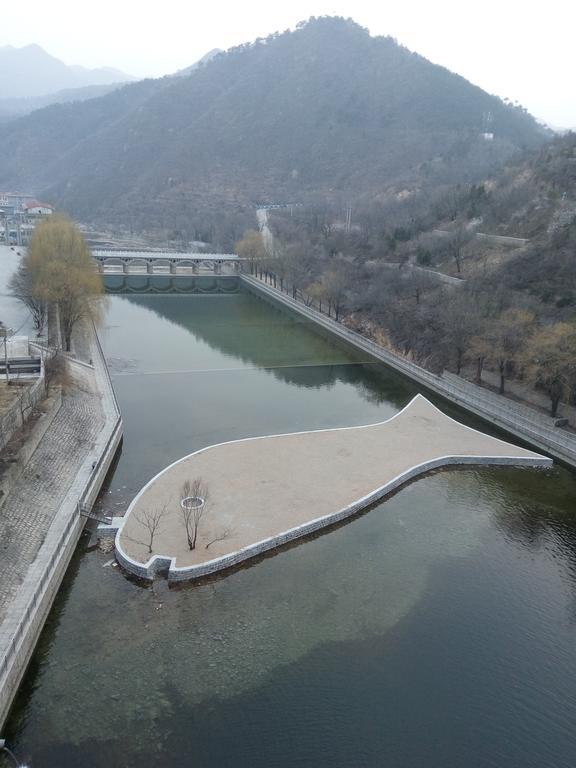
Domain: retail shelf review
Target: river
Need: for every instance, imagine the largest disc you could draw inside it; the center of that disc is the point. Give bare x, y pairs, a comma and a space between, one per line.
436, 630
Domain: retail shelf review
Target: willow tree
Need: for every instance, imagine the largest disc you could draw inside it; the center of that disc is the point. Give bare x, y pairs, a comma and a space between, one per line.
331, 288
252, 247
62, 272
502, 341
550, 357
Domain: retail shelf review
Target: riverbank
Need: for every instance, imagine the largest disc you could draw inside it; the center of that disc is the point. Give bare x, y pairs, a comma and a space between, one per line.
41, 524
523, 422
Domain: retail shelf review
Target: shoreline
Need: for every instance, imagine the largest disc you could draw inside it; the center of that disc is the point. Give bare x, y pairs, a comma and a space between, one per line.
21, 628
519, 421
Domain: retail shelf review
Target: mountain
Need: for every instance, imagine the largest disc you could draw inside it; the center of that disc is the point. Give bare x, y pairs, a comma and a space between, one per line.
13, 108
326, 110
204, 60
536, 198
30, 72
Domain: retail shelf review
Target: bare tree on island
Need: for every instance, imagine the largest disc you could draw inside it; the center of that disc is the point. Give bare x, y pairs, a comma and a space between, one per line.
194, 507
150, 519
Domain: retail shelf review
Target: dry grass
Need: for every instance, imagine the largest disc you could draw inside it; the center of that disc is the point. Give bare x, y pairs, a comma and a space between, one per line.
478, 258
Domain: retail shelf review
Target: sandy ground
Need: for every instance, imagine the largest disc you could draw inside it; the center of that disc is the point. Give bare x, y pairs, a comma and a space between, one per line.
263, 486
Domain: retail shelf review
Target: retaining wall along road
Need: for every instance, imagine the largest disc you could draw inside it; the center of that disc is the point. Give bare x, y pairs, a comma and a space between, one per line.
521, 421
20, 631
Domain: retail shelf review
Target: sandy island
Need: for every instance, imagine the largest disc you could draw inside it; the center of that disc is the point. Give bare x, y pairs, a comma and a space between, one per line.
266, 491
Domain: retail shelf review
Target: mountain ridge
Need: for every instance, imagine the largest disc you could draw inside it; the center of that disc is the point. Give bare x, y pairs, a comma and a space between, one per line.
32, 72
323, 110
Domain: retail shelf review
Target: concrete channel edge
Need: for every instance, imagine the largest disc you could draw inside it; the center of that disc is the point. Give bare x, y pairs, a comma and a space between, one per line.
20, 631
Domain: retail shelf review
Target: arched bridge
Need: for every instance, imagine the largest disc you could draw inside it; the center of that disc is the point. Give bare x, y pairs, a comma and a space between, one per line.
166, 263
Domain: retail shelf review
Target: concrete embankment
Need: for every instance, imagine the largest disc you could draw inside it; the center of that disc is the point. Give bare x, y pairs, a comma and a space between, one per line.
523, 422
27, 611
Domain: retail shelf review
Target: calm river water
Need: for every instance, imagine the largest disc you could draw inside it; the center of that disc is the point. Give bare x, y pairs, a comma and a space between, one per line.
437, 630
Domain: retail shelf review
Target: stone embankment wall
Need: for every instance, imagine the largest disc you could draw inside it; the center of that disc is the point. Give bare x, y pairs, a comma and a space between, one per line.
21, 630
523, 422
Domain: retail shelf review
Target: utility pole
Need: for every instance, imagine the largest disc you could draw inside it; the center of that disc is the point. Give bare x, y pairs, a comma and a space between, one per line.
4, 334
6, 227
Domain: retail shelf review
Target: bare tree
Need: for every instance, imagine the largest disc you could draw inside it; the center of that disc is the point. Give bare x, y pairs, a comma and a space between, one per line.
456, 243
21, 286
550, 355
25, 403
461, 321
220, 537
503, 340
150, 519
194, 506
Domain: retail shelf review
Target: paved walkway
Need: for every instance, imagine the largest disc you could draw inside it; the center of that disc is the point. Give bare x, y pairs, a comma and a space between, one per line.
33, 502
262, 487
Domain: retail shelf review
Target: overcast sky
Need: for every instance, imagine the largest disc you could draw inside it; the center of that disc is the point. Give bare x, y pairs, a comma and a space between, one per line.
516, 48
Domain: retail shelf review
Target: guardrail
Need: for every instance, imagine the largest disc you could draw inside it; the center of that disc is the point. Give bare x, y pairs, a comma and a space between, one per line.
526, 423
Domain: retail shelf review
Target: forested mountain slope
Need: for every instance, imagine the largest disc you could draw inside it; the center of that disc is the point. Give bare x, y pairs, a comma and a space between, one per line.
443, 276
325, 110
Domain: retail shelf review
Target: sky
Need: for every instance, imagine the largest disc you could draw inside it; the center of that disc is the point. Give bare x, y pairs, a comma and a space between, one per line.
517, 49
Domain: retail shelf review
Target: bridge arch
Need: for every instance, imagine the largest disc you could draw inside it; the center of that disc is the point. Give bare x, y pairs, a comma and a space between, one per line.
137, 264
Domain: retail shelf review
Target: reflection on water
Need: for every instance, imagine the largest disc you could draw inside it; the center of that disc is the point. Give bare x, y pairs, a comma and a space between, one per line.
12, 312
434, 630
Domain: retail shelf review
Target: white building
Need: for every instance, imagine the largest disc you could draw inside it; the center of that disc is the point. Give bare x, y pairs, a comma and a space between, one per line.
34, 208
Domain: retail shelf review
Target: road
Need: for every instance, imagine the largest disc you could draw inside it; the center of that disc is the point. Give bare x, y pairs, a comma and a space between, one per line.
267, 236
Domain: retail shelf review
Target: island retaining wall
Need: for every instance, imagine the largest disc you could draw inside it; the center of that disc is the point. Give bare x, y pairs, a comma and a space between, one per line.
160, 564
